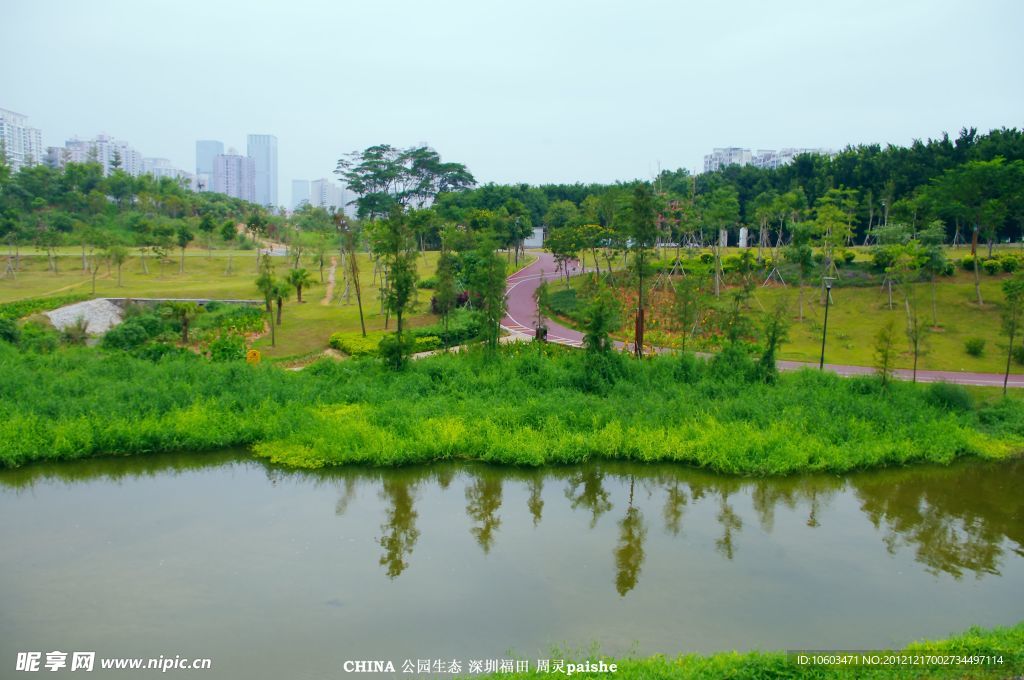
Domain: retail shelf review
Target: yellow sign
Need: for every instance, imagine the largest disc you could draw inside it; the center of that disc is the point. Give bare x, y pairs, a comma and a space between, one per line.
253, 356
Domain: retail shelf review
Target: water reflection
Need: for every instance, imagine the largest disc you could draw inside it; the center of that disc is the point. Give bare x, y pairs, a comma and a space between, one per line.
956, 521
399, 532
629, 553
483, 500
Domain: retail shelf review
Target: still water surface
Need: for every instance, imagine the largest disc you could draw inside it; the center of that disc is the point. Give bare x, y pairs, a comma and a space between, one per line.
278, 573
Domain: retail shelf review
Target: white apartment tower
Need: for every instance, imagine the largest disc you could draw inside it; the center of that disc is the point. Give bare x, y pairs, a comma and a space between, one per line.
22, 145
234, 175
324, 193
104, 150
262, 149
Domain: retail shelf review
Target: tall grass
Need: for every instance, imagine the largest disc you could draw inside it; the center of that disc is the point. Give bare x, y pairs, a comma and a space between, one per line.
525, 406
1005, 644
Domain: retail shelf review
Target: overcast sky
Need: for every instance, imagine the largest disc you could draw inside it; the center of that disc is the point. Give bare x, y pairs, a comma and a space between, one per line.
546, 91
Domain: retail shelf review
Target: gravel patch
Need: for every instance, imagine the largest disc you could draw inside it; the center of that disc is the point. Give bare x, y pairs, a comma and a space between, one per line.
101, 315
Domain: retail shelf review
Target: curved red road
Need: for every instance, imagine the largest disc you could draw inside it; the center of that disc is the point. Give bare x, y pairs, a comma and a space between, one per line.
521, 319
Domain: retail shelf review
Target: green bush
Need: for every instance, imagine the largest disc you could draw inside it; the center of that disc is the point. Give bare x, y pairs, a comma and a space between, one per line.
975, 346
9, 331
967, 263
227, 347
426, 343
463, 326
950, 397
355, 345
731, 263
1009, 263
707, 258
36, 337
991, 267
428, 282
948, 268
847, 256
1018, 354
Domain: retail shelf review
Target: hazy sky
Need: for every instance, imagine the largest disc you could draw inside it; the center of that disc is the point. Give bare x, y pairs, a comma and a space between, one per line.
546, 91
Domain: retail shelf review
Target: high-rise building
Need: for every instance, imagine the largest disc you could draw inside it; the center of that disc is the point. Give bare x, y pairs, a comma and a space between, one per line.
262, 149
110, 153
206, 151
300, 193
22, 145
762, 158
161, 167
234, 175
324, 193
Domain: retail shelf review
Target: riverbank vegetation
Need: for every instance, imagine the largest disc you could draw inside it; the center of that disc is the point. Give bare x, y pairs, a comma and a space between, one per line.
522, 404
1005, 643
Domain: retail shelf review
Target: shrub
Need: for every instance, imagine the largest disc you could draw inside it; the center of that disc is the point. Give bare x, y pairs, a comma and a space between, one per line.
1009, 263
426, 343
463, 325
227, 347
991, 266
429, 282
819, 257
35, 337
9, 331
731, 263
707, 258
967, 263
1018, 354
950, 397
355, 345
847, 256
975, 346
948, 268
881, 259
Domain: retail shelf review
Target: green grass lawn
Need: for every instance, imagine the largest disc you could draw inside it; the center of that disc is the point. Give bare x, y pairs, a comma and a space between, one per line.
305, 329
857, 314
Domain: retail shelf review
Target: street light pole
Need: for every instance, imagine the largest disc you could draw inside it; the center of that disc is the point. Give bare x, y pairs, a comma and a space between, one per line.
824, 330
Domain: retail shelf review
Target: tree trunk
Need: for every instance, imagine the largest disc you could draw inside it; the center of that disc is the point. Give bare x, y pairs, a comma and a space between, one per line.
181, 265
118, 276
184, 331
280, 304
298, 293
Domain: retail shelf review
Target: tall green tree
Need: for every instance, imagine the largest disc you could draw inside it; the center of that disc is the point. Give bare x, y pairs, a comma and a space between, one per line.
643, 230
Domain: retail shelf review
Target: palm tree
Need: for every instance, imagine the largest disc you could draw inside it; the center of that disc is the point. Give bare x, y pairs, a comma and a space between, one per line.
299, 279
184, 313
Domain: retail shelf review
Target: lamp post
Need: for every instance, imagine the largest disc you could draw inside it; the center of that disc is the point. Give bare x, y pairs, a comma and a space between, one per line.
824, 330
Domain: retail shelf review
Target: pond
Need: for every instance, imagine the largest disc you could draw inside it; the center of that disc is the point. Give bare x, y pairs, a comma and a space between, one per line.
277, 573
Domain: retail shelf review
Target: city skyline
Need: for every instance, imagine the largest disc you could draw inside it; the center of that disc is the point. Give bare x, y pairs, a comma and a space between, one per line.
531, 92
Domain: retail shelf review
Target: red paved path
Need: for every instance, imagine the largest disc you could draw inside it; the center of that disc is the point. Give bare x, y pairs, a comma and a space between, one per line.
522, 318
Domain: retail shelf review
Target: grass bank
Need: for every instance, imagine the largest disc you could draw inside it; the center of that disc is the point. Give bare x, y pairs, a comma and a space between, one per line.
1005, 643
528, 405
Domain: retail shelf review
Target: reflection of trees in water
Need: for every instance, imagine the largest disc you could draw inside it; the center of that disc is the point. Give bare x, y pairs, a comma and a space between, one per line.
483, 500
731, 522
585, 489
955, 520
536, 500
675, 502
399, 532
629, 553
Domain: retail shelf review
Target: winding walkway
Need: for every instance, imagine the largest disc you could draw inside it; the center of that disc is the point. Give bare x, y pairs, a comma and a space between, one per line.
521, 319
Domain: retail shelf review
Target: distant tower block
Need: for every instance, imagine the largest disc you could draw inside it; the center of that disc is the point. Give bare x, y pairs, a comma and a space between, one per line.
723, 238
743, 237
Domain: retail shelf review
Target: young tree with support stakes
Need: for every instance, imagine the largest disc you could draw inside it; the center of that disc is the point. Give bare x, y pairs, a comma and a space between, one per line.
643, 231
350, 232
1013, 291
394, 242
487, 281
185, 236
